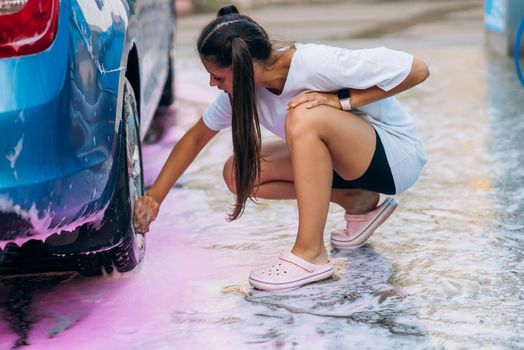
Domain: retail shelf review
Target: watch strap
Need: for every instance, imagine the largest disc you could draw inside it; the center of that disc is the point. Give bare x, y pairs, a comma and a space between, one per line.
344, 97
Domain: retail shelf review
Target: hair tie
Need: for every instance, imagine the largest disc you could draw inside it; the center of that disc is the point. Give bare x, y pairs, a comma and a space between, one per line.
227, 10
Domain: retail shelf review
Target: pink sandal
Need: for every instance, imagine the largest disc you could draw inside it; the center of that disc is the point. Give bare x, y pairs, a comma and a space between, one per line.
289, 272
361, 227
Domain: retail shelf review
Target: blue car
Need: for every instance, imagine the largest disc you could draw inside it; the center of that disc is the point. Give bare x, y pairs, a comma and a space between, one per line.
80, 81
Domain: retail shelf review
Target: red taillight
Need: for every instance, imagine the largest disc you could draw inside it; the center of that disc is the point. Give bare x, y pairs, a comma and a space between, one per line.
27, 26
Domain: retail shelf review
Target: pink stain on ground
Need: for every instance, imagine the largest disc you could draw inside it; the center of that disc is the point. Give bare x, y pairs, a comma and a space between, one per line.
140, 309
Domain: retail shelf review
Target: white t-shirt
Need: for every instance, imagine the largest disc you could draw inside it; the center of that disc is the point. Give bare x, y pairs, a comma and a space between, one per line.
324, 68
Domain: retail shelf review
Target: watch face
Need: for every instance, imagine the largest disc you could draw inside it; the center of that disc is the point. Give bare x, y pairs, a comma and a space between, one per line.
343, 94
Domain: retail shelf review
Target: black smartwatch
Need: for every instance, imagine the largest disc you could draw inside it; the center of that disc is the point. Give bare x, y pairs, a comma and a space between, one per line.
344, 97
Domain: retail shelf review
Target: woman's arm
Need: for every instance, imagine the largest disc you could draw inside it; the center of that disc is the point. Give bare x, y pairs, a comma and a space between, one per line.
182, 155
418, 73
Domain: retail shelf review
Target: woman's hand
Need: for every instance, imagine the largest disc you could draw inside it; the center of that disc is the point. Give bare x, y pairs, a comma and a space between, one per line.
145, 212
313, 99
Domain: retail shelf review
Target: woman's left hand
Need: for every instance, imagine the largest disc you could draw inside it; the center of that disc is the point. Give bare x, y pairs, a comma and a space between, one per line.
313, 99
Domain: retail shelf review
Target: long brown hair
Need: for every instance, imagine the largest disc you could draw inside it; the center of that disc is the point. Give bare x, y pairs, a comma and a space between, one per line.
234, 40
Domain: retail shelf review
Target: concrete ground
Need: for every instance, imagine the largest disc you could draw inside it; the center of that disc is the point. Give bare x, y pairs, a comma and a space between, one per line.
450, 259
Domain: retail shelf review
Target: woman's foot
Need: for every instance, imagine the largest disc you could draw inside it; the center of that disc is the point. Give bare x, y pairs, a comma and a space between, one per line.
360, 227
313, 256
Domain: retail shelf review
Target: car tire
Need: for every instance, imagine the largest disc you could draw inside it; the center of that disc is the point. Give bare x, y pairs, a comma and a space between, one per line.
130, 249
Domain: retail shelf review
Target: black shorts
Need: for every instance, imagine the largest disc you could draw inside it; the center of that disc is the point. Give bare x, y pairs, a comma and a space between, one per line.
377, 178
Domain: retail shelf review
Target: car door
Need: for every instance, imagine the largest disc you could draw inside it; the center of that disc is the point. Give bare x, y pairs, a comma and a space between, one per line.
153, 41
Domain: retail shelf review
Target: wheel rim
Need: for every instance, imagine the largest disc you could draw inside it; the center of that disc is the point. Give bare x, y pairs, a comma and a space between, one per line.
134, 162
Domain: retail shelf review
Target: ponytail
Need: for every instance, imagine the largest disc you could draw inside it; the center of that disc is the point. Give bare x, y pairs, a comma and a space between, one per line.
247, 139
233, 40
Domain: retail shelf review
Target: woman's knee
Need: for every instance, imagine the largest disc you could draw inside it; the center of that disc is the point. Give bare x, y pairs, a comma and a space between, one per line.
229, 174
301, 121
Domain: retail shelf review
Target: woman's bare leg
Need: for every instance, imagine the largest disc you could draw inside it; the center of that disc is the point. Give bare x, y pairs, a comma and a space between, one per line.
277, 181
319, 140
322, 139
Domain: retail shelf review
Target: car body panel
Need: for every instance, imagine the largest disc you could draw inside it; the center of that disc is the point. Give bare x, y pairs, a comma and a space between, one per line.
60, 113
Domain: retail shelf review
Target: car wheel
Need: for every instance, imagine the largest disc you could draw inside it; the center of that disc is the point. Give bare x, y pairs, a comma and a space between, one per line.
129, 251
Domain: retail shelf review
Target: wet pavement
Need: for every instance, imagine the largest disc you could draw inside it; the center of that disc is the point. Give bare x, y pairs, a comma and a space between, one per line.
446, 271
